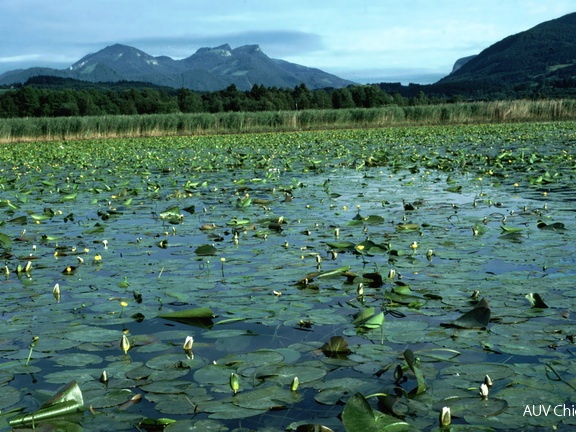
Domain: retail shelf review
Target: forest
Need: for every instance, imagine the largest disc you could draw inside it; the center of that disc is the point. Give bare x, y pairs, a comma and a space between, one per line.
33, 100
64, 97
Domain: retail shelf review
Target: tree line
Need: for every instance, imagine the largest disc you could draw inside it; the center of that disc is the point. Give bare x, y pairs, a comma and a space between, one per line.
38, 101
64, 97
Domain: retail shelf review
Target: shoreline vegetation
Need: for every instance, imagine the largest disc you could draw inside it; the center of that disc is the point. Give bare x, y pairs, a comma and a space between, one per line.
29, 129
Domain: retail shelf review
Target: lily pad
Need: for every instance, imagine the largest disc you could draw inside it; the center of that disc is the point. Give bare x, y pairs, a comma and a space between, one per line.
477, 318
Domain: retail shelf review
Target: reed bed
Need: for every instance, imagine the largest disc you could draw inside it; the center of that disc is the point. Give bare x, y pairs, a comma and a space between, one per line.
75, 128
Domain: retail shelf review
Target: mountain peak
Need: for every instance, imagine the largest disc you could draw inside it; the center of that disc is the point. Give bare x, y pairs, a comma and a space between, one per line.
208, 69
247, 49
222, 50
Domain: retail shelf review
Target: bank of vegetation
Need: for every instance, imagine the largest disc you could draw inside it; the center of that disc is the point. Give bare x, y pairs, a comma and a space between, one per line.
176, 124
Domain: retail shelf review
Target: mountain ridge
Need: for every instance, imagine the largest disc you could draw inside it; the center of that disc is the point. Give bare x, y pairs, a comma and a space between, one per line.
208, 69
527, 57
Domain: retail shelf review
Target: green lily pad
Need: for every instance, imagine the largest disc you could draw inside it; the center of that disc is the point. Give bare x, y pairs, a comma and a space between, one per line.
477, 318
206, 250
358, 416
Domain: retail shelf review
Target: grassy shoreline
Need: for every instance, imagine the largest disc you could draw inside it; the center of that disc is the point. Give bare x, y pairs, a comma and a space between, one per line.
101, 127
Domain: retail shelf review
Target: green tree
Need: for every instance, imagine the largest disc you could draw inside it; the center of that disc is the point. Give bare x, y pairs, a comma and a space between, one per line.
302, 97
342, 98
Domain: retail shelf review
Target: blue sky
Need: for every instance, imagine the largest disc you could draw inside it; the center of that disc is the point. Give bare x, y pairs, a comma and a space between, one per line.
362, 40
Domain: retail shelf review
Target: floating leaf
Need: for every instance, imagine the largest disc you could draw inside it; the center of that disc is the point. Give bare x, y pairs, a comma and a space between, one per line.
5, 242
407, 227
205, 250
341, 245
555, 226
313, 428
272, 397
510, 230
196, 313
374, 279
536, 300
337, 345
20, 220
358, 416
171, 212
477, 318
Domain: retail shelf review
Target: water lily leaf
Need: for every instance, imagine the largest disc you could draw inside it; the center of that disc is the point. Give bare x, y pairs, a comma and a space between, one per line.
236, 222
358, 416
355, 222
171, 212
437, 354
97, 228
283, 375
509, 230
374, 219
328, 273
334, 272
402, 289
375, 321
365, 246
273, 397
5, 242
205, 250
555, 226
20, 220
369, 319
156, 424
341, 245
69, 197
536, 300
476, 406
113, 397
10, 396
190, 314
336, 345
363, 315
414, 367
407, 227
374, 279
65, 402
313, 428
38, 217
243, 202
477, 318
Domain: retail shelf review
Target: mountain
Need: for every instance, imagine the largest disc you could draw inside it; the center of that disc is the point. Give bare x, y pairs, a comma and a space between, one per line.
544, 53
208, 69
461, 62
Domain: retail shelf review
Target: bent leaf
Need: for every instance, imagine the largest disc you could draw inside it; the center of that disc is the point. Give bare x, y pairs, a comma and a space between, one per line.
336, 345
358, 416
477, 318
536, 300
414, 367
68, 401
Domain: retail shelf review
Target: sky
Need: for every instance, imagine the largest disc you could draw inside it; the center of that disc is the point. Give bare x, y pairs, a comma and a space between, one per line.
360, 40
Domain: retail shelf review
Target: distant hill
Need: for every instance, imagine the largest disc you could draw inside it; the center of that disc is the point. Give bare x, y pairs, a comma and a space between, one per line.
544, 53
208, 69
461, 62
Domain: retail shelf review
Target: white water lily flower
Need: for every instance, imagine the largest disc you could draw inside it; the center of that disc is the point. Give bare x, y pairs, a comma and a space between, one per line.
445, 417
188, 343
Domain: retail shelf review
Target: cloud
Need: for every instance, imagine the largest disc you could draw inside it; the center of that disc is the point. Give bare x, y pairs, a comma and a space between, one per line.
20, 58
